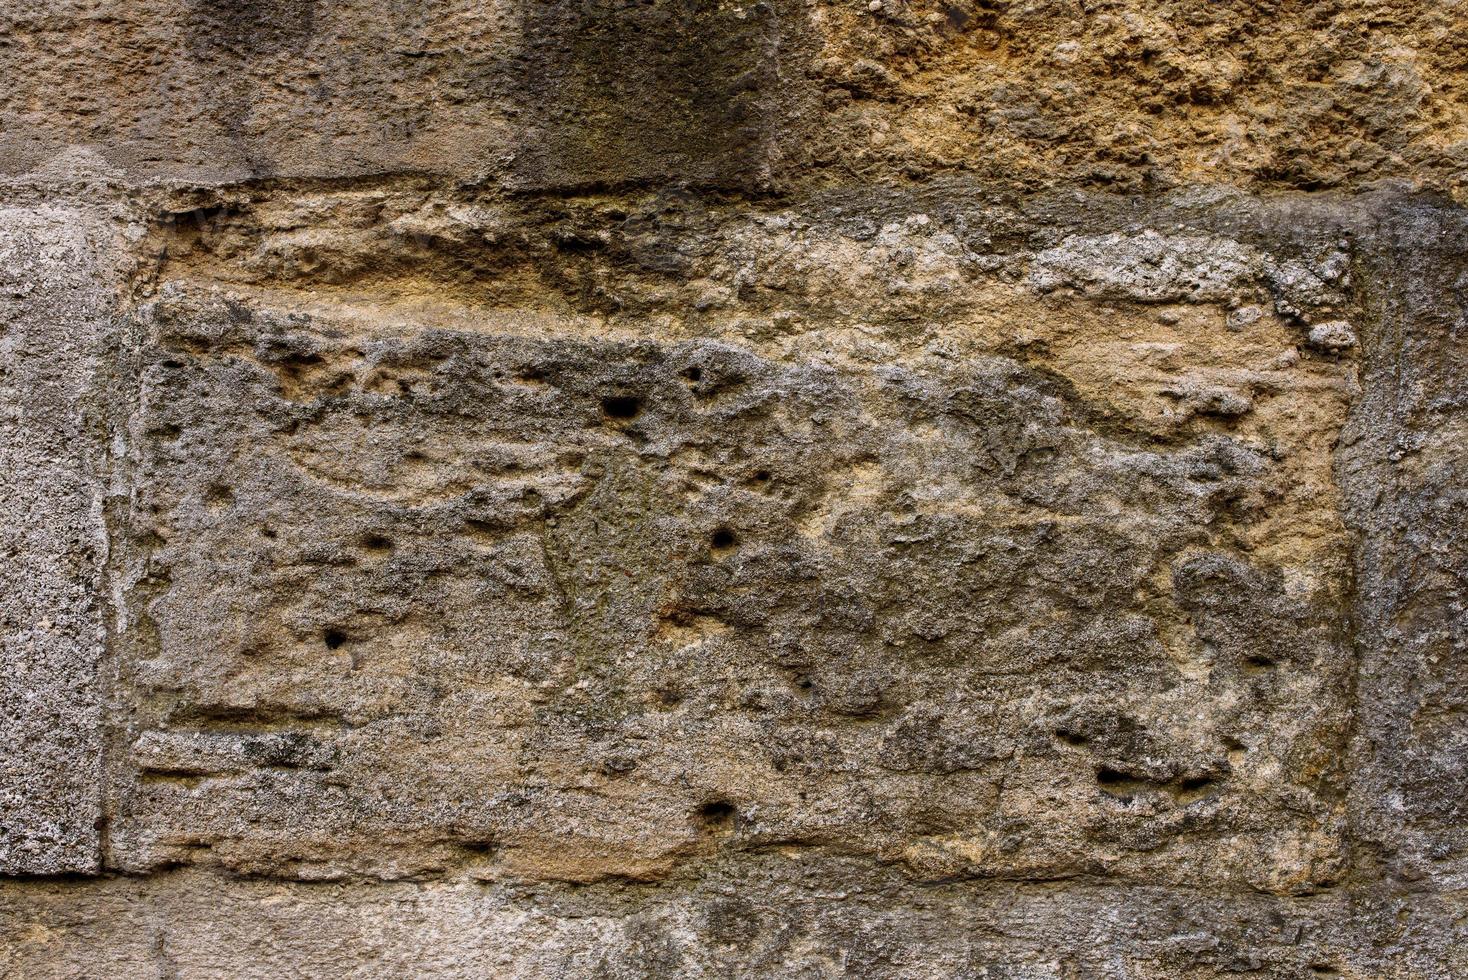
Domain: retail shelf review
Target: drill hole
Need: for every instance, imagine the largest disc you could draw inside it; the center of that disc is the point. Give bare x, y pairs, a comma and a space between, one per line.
715, 815
621, 407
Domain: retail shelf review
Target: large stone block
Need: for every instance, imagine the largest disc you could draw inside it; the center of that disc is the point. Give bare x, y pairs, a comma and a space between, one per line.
570, 595
1404, 469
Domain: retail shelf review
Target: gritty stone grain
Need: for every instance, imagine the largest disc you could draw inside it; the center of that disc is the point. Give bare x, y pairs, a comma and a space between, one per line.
677, 489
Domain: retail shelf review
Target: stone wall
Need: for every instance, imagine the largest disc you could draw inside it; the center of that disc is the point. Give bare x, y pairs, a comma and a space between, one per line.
661, 488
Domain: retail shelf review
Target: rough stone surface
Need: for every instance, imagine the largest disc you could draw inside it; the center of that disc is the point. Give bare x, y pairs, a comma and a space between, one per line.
1127, 94
674, 489
55, 305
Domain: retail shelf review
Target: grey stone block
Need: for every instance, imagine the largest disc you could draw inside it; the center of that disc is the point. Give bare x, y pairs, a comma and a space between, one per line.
54, 301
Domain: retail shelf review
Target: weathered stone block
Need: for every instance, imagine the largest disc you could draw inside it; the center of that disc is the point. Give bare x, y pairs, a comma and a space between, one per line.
56, 298
541, 597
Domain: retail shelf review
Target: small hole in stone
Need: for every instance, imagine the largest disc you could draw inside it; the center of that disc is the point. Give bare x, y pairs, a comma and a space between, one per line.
621, 407
717, 813
722, 539
694, 374
376, 542
1070, 737
334, 639
267, 532
218, 496
761, 476
1258, 662
1107, 776
805, 683
1195, 783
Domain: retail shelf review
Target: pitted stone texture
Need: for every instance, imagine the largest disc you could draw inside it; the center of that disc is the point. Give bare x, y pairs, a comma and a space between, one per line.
56, 301
577, 607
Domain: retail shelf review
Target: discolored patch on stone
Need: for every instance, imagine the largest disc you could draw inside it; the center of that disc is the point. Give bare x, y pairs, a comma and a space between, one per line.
626, 92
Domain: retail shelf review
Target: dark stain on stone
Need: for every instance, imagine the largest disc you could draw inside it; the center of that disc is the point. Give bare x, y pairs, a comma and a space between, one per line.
250, 28
625, 91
